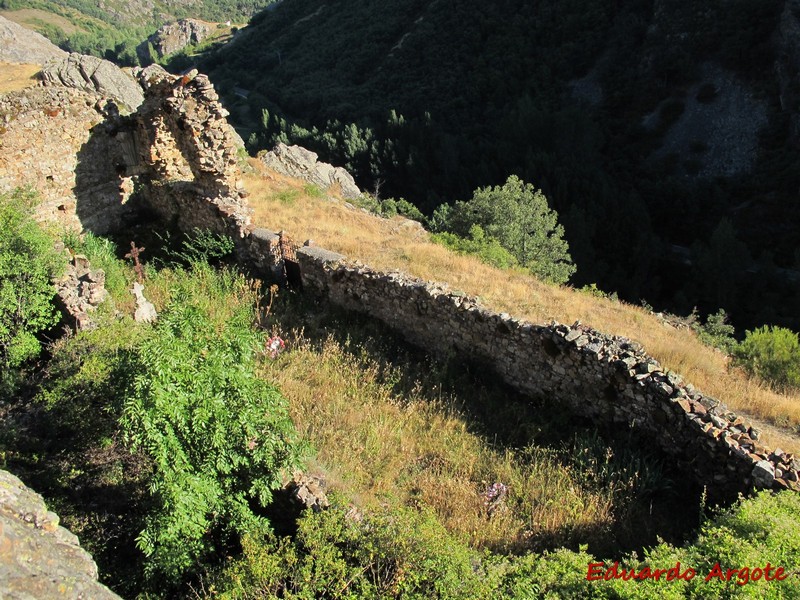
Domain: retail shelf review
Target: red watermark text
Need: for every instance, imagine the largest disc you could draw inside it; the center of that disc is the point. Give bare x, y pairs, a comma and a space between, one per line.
742, 576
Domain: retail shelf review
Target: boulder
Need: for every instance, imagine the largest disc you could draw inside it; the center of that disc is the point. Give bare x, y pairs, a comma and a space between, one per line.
21, 45
763, 474
296, 161
94, 75
173, 37
39, 558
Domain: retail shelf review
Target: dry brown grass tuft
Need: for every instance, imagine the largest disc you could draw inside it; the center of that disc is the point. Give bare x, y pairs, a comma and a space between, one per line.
15, 77
394, 245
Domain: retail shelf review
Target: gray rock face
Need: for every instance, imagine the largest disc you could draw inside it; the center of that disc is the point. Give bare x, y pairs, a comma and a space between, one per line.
172, 37
296, 161
38, 558
94, 75
764, 474
20, 45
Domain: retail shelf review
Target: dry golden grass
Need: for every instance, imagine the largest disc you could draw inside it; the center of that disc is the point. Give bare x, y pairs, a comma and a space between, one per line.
30, 17
15, 77
379, 448
282, 203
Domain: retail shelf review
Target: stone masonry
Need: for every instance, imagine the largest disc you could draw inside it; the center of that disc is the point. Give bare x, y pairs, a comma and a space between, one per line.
186, 166
606, 378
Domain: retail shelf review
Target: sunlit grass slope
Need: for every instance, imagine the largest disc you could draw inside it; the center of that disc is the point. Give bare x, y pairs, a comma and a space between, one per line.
284, 203
14, 77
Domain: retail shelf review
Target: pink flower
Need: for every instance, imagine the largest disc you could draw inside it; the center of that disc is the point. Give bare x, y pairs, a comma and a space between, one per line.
275, 345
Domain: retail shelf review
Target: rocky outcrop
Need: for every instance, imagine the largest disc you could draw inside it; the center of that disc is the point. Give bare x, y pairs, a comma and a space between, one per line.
80, 291
94, 74
38, 558
173, 37
21, 45
296, 161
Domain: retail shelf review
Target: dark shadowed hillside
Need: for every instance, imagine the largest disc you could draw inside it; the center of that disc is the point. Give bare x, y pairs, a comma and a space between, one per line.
664, 133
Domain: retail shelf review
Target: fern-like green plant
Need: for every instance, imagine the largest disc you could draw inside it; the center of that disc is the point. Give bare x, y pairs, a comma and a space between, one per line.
218, 436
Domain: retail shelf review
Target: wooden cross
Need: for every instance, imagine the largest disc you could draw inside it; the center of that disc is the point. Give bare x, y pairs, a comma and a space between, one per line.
137, 266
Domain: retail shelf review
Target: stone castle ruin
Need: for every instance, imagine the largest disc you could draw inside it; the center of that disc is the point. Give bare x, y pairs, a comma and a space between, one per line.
176, 157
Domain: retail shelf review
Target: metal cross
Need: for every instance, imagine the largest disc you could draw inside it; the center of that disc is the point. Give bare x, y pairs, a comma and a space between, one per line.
137, 266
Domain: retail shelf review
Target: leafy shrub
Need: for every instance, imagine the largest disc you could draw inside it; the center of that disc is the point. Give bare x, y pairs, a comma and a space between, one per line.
387, 554
479, 244
717, 331
219, 437
518, 216
595, 292
771, 353
203, 246
27, 263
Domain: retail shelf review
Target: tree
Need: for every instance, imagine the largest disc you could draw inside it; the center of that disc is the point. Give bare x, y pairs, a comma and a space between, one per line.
720, 265
218, 436
27, 263
773, 354
518, 216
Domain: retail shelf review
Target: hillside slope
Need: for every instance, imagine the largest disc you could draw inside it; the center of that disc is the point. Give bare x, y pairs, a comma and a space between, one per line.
401, 244
650, 125
114, 29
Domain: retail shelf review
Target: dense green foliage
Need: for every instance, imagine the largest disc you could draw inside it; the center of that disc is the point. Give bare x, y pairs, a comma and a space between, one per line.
219, 437
406, 554
773, 354
487, 248
519, 218
437, 99
389, 554
717, 331
27, 263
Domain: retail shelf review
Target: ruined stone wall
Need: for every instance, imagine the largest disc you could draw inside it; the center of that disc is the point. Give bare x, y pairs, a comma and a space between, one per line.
56, 140
608, 379
189, 161
96, 170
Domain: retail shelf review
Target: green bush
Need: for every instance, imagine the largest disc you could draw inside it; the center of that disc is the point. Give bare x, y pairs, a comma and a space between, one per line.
518, 216
717, 332
771, 353
387, 554
488, 249
27, 264
218, 436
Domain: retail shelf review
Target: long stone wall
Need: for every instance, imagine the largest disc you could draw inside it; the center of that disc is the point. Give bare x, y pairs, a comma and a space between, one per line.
183, 156
606, 378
